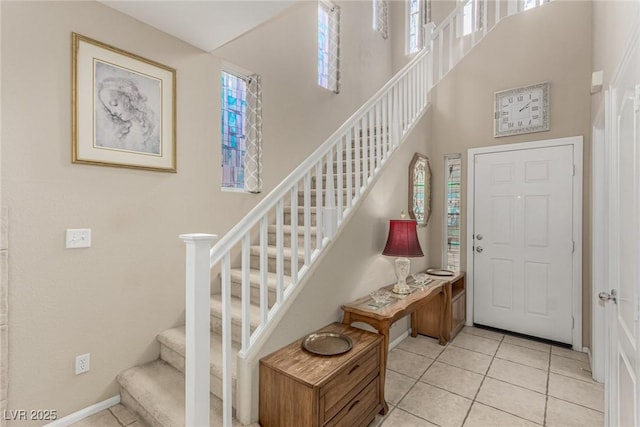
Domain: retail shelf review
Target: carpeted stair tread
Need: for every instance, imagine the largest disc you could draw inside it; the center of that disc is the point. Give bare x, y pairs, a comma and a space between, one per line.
254, 278
175, 339
236, 310
272, 251
159, 389
286, 229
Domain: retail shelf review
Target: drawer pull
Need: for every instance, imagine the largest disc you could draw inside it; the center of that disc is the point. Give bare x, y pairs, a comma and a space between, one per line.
353, 404
353, 369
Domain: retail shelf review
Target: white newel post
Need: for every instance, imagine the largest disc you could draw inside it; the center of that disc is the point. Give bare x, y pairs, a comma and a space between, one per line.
198, 349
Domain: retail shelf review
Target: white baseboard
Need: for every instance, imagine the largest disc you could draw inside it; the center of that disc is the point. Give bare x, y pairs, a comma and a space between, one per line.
398, 340
84, 413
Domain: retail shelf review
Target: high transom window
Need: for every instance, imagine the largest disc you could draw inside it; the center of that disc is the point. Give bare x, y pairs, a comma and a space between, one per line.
414, 26
328, 46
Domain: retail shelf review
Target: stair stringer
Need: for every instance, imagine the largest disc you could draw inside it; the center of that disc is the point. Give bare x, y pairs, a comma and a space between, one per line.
286, 328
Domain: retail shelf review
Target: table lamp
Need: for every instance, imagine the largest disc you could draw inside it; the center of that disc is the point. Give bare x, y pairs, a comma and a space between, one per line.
402, 242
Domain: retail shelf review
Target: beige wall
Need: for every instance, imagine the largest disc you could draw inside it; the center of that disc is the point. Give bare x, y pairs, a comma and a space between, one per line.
506, 58
284, 53
612, 23
560, 53
112, 299
353, 264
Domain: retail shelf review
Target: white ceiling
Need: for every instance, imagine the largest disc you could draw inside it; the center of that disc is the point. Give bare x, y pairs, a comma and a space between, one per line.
206, 24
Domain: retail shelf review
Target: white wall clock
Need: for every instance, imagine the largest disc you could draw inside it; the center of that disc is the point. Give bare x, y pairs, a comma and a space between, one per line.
522, 110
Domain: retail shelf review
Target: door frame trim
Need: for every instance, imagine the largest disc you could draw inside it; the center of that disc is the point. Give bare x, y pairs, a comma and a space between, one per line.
576, 285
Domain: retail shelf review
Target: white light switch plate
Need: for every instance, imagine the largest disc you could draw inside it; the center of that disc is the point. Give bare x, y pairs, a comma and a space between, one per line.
78, 238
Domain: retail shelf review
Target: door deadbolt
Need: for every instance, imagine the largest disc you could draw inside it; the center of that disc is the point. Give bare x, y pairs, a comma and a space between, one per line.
479, 237
605, 296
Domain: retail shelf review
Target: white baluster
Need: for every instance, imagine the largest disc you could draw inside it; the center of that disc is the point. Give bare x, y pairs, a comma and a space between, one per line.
452, 36
357, 155
396, 117
227, 396
330, 217
485, 17
264, 270
364, 137
340, 187
497, 5
279, 250
319, 204
350, 146
405, 102
307, 217
440, 49
246, 290
294, 235
474, 21
197, 330
385, 126
371, 140
460, 18
379, 133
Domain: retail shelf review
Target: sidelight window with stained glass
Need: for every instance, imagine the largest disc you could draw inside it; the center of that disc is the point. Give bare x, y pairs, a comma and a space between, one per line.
234, 109
453, 169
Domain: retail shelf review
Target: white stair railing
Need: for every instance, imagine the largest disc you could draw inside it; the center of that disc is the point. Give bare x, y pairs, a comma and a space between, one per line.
465, 26
359, 148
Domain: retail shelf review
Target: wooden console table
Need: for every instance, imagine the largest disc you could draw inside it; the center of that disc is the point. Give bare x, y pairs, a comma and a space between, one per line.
429, 307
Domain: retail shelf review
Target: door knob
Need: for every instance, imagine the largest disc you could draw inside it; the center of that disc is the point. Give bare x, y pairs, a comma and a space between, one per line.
605, 296
479, 249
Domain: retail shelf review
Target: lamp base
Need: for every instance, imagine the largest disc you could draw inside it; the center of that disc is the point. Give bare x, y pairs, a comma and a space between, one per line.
402, 271
401, 290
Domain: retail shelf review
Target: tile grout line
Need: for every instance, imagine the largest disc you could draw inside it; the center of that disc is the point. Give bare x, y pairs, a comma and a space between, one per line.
546, 397
503, 340
482, 382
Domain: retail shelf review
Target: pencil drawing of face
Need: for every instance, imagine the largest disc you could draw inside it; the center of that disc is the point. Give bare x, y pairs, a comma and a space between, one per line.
125, 114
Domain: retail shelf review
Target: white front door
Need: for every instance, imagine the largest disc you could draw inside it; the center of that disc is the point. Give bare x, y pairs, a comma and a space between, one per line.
523, 227
623, 309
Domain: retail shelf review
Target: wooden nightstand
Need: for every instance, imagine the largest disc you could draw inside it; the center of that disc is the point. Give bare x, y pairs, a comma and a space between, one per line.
299, 389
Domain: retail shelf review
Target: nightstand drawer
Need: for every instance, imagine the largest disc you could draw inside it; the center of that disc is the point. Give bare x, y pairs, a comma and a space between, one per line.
358, 408
348, 382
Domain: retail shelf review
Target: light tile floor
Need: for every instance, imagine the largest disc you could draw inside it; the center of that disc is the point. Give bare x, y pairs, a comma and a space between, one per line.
481, 379
115, 416
484, 378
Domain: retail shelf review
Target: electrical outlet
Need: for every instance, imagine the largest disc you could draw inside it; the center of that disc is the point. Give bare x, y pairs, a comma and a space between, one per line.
78, 238
83, 363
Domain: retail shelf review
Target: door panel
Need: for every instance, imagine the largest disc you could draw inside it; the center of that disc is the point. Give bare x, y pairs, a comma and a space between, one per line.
502, 284
536, 283
523, 208
623, 317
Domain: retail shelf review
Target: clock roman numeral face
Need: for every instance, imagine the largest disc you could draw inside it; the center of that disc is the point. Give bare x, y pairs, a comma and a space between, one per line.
521, 110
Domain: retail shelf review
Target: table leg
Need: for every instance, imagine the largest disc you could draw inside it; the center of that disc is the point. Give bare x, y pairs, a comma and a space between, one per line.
445, 314
414, 323
384, 331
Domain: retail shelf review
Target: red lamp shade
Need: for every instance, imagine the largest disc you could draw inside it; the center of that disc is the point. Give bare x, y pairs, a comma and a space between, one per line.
403, 239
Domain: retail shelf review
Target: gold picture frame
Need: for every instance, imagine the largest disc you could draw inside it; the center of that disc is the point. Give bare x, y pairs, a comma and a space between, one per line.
123, 108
